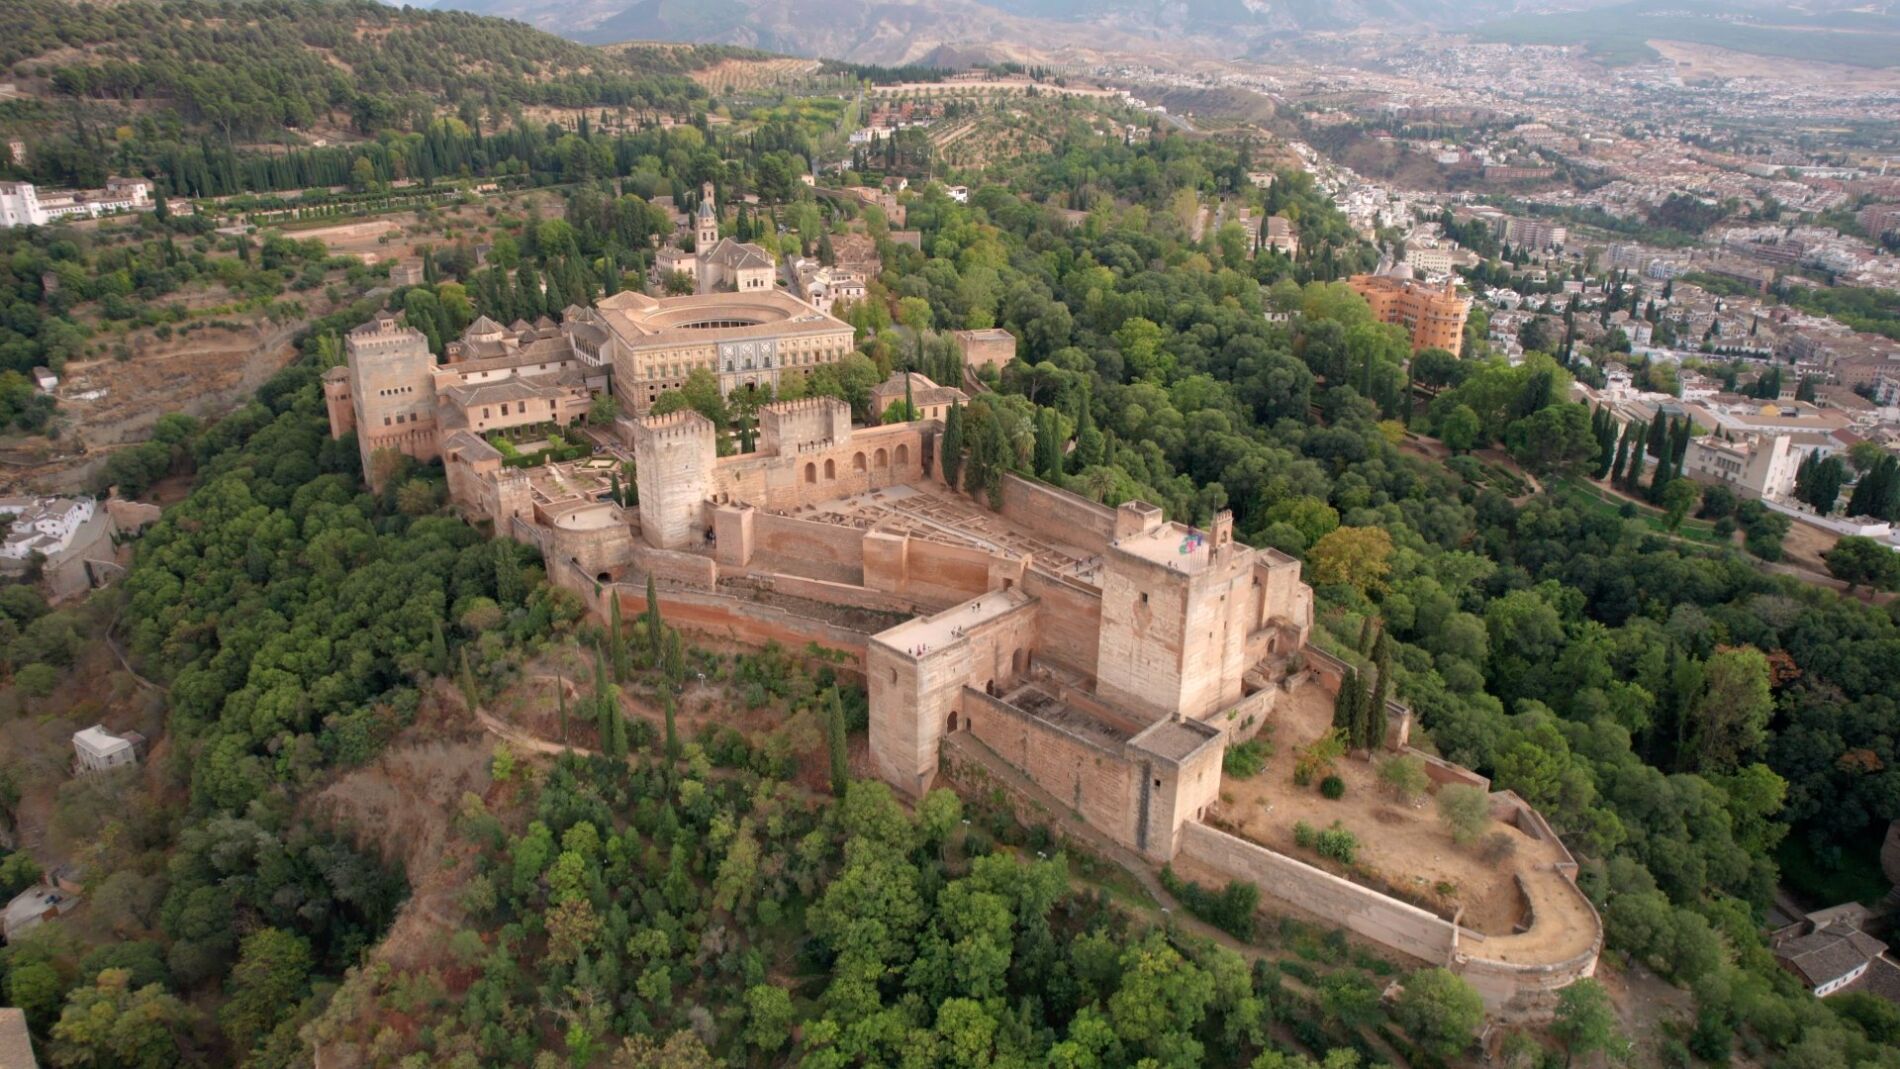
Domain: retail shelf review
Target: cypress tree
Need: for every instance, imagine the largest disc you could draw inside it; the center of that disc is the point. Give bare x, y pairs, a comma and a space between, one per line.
1382, 692
469, 693
1622, 458
438, 650
614, 641
654, 624
1366, 629
560, 702
1632, 477
952, 445
835, 732
1345, 703
672, 726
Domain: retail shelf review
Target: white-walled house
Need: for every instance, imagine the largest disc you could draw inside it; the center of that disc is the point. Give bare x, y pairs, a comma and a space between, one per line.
96, 750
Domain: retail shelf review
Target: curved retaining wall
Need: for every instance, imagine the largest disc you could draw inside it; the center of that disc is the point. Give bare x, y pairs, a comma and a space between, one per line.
1511, 990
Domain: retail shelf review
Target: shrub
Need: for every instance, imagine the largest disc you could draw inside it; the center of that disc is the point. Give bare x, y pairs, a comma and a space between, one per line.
1332, 787
1497, 846
1231, 909
1465, 810
1404, 777
1337, 843
1303, 835
1245, 760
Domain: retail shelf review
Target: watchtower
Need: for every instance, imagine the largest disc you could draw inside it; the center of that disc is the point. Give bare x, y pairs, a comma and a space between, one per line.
787, 428
1177, 605
392, 390
673, 456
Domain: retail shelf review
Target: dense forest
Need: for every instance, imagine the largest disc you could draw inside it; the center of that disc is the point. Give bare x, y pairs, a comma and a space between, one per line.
1700, 731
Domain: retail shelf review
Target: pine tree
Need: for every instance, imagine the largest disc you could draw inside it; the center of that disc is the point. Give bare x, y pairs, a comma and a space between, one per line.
835, 737
952, 446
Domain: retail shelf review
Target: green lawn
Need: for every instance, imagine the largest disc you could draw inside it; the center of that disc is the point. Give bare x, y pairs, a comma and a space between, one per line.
1589, 495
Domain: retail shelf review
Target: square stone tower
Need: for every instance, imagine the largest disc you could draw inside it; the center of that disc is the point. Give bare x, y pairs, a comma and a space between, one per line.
392, 390
1177, 606
673, 457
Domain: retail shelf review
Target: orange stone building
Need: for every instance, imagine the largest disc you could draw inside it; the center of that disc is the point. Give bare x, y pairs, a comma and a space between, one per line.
1435, 317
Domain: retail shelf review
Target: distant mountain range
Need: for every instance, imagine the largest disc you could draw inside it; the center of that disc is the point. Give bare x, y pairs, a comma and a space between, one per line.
961, 31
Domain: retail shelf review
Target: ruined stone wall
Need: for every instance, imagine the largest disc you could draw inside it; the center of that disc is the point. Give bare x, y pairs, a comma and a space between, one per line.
1094, 780
1056, 514
1384, 920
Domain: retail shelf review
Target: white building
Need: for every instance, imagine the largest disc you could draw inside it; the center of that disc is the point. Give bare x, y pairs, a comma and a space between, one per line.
1762, 466
1428, 260
22, 204
960, 194
43, 525
97, 750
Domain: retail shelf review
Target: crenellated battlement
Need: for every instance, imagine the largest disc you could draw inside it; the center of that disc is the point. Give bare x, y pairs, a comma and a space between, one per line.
804, 404
684, 425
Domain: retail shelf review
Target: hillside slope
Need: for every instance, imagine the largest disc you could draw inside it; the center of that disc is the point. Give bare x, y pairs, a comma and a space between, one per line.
273, 70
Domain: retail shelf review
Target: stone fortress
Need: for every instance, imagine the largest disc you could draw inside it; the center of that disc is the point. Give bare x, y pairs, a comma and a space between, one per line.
1106, 657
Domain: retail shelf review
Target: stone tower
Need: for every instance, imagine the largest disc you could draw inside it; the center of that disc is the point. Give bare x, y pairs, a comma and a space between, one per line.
1177, 605
706, 233
673, 457
392, 390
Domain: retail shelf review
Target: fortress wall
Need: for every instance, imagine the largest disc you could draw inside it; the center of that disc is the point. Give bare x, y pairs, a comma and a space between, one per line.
740, 620
1384, 920
943, 573
796, 478
1057, 514
826, 543
1519, 992
1441, 771
1071, 621
831, 593
1091, 778
596, 551
689, 569
1244, 719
